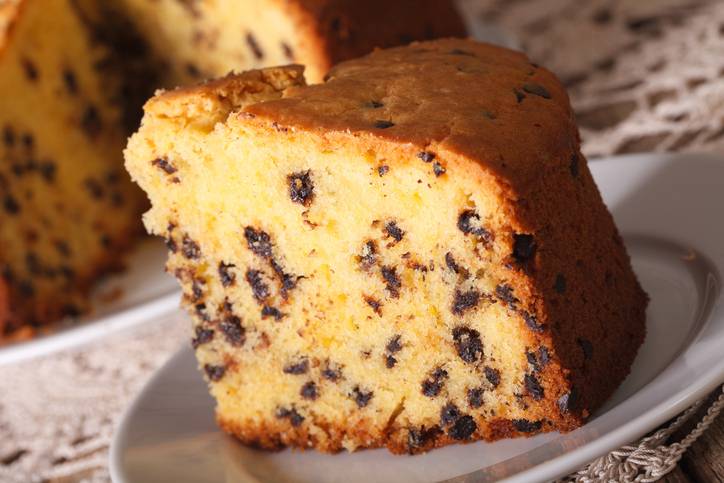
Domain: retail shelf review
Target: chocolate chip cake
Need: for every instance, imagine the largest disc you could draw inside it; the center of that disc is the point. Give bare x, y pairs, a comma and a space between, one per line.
411, 254
73, 76
67, 207
197, 39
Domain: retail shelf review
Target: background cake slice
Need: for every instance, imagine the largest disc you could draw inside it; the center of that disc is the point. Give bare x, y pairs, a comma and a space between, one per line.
201, 39
67, 208
411, 254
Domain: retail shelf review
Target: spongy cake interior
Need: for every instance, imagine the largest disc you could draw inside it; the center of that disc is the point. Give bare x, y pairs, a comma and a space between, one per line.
364, 306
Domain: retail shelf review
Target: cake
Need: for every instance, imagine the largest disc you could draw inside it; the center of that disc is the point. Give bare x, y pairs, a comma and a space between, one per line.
201, 39
67, 206
73, 77
409, 255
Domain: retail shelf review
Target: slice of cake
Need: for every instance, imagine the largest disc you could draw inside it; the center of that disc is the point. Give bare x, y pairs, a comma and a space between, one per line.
409, 255
202, 39
67, 208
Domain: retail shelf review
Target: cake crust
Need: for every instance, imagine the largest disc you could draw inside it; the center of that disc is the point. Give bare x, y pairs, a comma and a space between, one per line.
567, 310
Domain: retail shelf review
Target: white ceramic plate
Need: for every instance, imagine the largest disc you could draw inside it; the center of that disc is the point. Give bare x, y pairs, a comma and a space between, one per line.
140, 293
669, 209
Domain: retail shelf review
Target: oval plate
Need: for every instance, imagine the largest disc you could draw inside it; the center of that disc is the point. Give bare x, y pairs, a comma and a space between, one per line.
669, 208
142, 292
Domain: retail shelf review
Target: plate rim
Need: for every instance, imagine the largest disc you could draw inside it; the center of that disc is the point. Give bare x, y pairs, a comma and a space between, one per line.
565, 463
89, 327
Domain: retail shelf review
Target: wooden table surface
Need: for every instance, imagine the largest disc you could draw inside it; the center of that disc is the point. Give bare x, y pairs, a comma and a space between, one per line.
704, 461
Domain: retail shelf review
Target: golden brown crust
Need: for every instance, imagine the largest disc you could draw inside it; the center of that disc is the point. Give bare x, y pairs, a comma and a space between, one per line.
337, 30
225, 94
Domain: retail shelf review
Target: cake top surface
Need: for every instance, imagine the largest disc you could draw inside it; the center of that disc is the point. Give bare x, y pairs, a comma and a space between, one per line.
452, 96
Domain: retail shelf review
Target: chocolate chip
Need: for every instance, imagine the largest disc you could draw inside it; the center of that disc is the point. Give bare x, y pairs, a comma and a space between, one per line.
171, 245
8, 136
538, 360
31, 71
469, 223
416, 438
390, 361
533, 387
586, 347
560, 283
202, 336
369, 255
573, 166
382, 124
475, 397
32, 263
463, 428
226, 275
309, 391
164, 165
62, 247
94, 188
464, 301
450, 262
544, 356
258, 242
426, 156
489, 115
392, 280
361, 397
301, 188
268, 311
461, 52
70, 81
382, 170
375, 304
492, 375
519, 96
47, 171
525, 426
332, 372
215, 373
254, 46
233, 331
505, 294
433, 384
28, 140
394, 231
468, 344
373, 104
71, 310
294, 417
438, 169
91, 122
449, 414
394, 344
537, 90
524, 247
200, 310
11, 205
296, 368
568, 401
288, 281
288, 52
190, 248
531, 321
26, 288
255, 278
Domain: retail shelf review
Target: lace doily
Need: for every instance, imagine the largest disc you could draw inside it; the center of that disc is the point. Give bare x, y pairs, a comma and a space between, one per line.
644, 75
